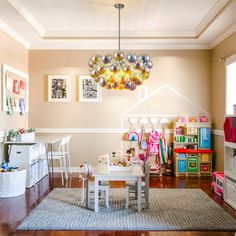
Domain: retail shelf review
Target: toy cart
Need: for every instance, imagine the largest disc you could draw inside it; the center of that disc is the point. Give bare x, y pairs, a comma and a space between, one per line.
217, 184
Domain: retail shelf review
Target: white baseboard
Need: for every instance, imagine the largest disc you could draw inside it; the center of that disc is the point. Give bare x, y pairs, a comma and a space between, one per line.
73, 169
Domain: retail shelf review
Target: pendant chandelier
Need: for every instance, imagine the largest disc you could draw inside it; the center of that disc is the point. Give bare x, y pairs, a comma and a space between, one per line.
120, 71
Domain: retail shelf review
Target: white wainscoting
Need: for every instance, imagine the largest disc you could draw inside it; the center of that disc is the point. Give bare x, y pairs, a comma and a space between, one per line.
86, 131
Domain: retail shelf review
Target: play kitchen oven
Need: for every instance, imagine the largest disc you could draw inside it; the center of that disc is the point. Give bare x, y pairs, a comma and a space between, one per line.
192, 163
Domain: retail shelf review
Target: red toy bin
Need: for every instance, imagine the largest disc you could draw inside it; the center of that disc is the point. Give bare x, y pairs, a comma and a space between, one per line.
230, 129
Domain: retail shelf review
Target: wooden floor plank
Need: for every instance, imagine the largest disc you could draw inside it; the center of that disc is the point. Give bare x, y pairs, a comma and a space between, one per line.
14, 210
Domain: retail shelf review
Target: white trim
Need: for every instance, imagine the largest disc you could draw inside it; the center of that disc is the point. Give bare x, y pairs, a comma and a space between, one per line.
110, 44
81, 130
215, 11
218, 132
230, 60
89, 131
76, 169
7, 68
21, 9
172, 90
223, 36
12, 33
156, 91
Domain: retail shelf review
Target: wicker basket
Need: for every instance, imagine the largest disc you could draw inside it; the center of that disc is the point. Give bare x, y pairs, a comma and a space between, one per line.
12, 183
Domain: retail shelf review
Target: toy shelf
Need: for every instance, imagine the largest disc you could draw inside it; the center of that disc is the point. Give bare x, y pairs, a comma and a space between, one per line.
194, 124
192, 156
186, 142
189, 151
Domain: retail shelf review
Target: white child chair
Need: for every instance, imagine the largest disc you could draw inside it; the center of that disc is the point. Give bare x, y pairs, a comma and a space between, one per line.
84, 175
63, 156
131, 187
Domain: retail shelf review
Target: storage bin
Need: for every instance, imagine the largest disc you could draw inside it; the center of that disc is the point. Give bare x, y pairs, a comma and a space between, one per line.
205, 157
230, 129
27, 137
205, 167
12, 184
24, 153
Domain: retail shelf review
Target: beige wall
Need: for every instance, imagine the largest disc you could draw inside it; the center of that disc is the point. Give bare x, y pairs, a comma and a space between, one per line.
224, 49
185, 71
15, 55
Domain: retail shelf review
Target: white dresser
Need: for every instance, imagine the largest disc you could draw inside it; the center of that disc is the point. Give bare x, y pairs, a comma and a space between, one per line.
230, 174
33, 158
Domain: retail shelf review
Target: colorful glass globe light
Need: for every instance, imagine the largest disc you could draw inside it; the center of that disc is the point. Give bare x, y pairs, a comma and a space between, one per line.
120, 71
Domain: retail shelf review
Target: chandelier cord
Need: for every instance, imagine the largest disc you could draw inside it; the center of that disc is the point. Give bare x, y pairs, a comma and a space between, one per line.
120, 70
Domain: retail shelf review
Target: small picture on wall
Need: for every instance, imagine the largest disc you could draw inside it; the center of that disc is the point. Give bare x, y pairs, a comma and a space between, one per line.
89, 90
58, 88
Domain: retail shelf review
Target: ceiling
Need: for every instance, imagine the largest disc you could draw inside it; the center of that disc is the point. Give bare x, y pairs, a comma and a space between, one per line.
93, 24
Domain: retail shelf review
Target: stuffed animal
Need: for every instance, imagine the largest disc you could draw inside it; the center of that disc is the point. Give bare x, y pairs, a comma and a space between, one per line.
153, 142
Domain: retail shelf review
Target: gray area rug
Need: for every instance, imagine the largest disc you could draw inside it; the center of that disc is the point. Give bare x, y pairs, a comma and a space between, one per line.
170, 209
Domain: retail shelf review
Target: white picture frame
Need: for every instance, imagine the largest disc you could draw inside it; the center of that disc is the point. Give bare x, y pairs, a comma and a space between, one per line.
89, 90
6, 70
58, 88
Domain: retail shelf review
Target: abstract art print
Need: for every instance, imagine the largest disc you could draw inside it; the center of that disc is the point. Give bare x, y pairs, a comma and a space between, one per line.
89, 90
58, 88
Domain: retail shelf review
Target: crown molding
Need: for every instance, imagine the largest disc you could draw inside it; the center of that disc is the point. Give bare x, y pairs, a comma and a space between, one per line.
143, 44
217, 9
223, 36
21, 9
56, 40
9, 31
75, 34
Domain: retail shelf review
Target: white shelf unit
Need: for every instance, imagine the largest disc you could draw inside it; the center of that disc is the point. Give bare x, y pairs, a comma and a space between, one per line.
32, 158
230, 173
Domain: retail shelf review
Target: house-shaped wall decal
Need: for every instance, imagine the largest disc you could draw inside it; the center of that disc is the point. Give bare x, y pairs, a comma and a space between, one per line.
164, 101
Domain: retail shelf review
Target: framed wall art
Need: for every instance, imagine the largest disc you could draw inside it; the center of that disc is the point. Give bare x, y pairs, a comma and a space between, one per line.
58, 88
15, 90
89, 90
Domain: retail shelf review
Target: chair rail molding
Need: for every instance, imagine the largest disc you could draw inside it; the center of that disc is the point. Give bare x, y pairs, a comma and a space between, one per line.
218, 132
90, 130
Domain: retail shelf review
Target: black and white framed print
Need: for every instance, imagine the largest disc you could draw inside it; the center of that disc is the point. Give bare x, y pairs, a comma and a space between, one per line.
89, 90
58, 88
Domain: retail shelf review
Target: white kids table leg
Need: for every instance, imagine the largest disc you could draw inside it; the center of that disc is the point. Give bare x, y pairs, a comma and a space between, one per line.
139, 193
96, 195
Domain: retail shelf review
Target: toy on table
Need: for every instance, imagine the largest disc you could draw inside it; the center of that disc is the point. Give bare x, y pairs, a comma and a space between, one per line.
217, 184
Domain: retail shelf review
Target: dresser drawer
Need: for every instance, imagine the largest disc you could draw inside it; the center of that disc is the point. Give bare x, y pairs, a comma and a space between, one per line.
230, 192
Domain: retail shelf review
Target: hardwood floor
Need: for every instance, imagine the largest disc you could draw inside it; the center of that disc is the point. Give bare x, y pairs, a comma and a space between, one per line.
14, 210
